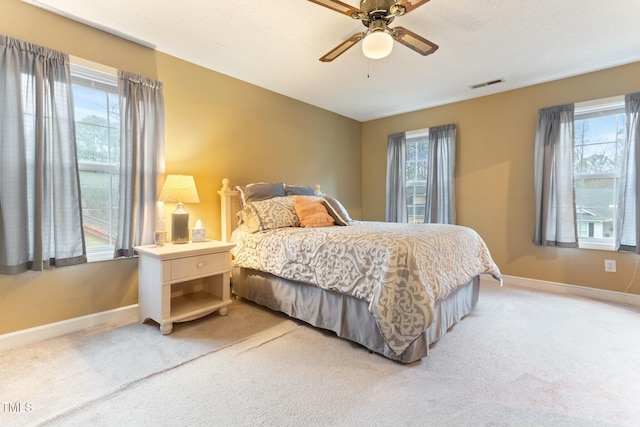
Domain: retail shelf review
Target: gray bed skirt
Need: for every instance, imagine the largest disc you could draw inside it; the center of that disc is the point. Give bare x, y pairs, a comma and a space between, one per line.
347, 316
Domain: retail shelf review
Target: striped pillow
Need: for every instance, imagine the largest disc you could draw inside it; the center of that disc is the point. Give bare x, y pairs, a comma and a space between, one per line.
337, 211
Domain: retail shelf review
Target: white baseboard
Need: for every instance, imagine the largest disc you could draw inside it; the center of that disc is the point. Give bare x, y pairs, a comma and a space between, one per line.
563, 288
129, 314
118, 316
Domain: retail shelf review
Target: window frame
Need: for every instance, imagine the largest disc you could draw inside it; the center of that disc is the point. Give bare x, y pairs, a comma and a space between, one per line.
412, 137
98, 77
589, 110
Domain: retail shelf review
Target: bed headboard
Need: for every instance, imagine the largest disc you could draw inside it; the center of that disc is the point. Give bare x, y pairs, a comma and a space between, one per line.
230, 205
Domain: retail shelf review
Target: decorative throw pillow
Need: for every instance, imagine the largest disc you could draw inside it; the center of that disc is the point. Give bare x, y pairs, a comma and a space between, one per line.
337, 211
298, 190
277, 212
247, 221
260, 191
312, 212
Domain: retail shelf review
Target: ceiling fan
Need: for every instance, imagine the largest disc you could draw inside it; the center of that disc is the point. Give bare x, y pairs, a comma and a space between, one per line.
377, 40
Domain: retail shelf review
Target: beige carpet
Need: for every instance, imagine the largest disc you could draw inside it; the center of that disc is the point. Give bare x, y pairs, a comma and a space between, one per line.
521, 358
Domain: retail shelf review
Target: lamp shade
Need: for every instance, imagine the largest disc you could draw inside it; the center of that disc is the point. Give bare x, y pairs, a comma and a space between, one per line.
179, 189
377, 45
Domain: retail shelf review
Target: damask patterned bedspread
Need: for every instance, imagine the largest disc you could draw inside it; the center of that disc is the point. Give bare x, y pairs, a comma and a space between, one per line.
401, 270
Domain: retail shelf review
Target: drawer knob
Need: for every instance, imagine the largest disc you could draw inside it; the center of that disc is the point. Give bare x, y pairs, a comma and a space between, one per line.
200, 265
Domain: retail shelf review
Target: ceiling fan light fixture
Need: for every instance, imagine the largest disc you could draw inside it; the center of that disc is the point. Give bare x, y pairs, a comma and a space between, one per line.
377, 45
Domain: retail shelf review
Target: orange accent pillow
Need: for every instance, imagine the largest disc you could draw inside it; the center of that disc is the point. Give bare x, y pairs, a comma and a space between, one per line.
312, 212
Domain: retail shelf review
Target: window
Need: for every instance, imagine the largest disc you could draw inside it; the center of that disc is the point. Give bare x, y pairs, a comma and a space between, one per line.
599, 135
97, 121
416, 174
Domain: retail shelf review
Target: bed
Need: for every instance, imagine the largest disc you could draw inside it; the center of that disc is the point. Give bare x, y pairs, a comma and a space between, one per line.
393, 288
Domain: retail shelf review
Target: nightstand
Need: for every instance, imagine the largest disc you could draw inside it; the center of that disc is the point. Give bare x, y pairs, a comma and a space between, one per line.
182, 282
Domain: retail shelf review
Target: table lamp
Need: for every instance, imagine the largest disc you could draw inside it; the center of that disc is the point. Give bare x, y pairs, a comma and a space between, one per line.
179, 189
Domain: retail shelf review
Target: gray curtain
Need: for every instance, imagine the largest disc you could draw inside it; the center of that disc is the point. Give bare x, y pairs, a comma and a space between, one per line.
627, 232
396, 200
441, 185
141, 159
40, 207
553, 174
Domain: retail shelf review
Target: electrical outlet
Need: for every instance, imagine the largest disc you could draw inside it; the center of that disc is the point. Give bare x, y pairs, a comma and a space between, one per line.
610, 265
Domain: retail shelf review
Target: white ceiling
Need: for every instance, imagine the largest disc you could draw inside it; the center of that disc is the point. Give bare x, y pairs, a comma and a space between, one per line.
275, 44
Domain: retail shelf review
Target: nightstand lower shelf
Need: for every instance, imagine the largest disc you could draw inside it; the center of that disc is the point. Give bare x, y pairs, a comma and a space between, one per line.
195, 305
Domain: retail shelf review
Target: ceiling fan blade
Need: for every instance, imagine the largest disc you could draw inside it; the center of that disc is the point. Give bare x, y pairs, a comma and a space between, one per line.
342, 47
409, 5
340, 7
413, 41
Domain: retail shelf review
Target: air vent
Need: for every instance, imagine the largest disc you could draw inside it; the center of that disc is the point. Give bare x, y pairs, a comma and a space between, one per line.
492, 82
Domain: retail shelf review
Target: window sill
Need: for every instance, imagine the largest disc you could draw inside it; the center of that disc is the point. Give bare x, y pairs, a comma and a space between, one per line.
595, 245
100, 255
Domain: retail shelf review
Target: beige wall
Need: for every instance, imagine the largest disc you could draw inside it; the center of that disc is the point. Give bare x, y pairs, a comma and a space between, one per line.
494, 175
216, 127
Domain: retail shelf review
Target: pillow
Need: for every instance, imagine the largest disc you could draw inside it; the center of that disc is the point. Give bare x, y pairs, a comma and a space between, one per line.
247, 221
312, 212
337, 211
277, 212
260, 191
298, 190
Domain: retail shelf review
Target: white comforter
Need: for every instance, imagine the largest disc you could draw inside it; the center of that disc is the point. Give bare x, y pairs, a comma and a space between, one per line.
401, 270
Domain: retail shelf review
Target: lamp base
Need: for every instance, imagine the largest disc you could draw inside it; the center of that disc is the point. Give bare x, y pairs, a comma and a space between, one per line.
180, 225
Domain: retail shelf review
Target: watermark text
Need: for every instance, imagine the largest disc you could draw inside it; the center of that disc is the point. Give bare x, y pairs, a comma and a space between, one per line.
15, 407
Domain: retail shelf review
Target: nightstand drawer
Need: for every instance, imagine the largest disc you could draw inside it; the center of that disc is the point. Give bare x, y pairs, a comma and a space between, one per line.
199, 265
